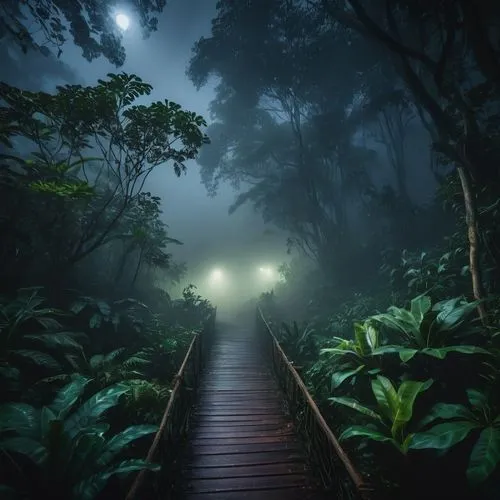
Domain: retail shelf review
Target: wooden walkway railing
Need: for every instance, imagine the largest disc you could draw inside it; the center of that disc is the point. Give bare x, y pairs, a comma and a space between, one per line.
174, 423
337, 473
327, 456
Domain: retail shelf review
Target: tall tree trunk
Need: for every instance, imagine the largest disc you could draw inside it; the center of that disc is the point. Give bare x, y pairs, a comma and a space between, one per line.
138, 267
473, 236
121, 267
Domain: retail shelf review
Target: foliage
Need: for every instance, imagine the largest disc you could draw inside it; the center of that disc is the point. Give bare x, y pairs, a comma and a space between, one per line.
395, 411
295, 146
95, 148
145, 401
298, 342
459, 422
68, 442
429, 330
43, 25
352, 357
30, 336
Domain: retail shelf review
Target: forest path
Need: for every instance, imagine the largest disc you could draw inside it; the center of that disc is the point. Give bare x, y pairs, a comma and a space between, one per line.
242, 445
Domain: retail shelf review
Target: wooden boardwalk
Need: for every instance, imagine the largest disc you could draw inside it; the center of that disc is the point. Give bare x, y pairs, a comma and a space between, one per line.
242, 446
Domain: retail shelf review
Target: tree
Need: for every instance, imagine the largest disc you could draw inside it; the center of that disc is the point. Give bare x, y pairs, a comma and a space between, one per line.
427, 42
284, 124
95, 150
46, 24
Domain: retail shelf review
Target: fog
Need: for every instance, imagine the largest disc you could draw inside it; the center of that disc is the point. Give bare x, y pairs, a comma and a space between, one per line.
211, 237
183, 182
241, 242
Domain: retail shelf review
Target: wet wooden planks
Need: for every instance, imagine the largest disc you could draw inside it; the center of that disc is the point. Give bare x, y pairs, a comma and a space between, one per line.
242, 445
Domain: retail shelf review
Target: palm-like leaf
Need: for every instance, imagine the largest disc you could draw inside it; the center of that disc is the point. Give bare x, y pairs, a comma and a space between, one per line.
20, 417
68, 396
39, 358
395, 412
120, 441
90, 411
89, 488
65, 340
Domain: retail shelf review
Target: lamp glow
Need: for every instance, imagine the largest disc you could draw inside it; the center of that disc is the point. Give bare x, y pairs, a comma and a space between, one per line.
266, 272
217, 275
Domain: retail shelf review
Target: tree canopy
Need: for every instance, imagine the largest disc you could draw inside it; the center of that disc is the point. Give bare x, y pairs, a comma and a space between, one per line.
48, 24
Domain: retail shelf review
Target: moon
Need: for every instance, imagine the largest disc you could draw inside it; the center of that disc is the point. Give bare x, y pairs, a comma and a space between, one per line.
122, 21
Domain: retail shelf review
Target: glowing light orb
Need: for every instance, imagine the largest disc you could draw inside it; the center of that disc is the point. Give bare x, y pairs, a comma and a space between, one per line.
122, 21
266, 272
217, 275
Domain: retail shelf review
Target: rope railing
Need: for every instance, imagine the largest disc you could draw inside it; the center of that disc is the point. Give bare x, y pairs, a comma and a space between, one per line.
336, 470
174, 423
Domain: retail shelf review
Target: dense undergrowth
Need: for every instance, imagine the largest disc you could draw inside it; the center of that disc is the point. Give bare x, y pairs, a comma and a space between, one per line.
405, 372
89, 338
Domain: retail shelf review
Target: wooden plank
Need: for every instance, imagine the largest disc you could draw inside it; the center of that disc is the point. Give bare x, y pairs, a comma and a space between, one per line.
242, 471
208, 419
246, 483
242, 445
235, 459
239, 440
248, 448
244, 433
276, 494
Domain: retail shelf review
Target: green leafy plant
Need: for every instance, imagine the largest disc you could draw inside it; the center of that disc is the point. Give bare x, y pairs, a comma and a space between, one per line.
458, 422
395, 411
350, 358
105, 369
298, 343
27, 313
145, 401
440, 273
429, 330
70, 443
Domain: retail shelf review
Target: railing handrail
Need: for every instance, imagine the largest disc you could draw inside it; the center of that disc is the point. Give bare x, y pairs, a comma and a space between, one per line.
163, 424
346, 461
178, 378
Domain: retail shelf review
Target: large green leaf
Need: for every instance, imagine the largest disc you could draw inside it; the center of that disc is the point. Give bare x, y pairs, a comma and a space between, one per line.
405, 353
93, 408
360, 431
339, 351
352, 403
362, 342
477, 399
339, 377
419, 307
402, 321
441, 352
31, 448
91, 487
386, 396
443, 436
39, 358
446, 411
453, 313
120, 441
114, 355
21, 418
63, 340
407, 393
68, 396
485, 456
